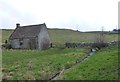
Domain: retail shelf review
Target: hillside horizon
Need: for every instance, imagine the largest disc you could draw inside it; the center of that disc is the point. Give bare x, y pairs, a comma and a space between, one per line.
60, 36
63, 29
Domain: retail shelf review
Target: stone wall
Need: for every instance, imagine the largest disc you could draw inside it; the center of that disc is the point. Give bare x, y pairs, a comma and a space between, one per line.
83, 44
43, 39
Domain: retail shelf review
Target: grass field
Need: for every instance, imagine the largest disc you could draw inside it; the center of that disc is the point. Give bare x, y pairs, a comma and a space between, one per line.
103, 65
35, 64
60, 36
16, 62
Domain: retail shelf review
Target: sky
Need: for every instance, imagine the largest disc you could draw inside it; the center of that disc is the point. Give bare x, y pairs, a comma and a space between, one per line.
82, 15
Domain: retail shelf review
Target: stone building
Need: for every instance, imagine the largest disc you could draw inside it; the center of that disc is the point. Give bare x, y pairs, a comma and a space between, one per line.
30, 37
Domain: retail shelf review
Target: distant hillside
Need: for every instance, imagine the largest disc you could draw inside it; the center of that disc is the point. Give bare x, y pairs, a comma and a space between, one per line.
60, 36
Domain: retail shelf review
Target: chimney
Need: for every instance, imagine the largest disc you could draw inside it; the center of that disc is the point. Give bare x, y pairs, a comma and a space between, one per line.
17, 25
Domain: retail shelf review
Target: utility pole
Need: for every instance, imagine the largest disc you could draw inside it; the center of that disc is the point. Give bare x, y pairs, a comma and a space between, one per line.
102, 35
77, 27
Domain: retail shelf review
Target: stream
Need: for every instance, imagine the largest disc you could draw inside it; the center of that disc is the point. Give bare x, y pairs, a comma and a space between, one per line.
83, 59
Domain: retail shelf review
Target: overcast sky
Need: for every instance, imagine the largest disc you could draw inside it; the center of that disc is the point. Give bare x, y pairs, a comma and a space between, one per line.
84, 15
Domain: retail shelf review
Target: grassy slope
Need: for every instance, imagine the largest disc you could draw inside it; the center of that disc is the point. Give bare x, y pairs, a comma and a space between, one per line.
103, 65
16, 62
49, 61
60, 36
6, 34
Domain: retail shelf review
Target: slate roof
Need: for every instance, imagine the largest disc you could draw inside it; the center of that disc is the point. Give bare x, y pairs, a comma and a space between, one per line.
27, 31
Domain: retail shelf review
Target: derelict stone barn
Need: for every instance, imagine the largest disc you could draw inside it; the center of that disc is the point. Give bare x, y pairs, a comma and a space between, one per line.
30, 37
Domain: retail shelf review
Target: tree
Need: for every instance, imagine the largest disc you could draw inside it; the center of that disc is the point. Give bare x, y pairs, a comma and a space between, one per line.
115, 30
100, 39
119, 30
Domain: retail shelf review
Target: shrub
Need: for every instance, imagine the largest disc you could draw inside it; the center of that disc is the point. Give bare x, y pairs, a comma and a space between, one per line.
99, 45
6, 46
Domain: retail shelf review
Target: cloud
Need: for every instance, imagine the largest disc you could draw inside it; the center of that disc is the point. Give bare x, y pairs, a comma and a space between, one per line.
85, 14
10, 16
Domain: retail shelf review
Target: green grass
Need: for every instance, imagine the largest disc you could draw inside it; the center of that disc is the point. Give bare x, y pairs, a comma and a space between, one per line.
49, 61
103, 65
60, 36
5, 34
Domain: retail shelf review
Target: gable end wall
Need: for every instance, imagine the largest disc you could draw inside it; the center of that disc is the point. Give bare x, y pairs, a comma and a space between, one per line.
43, 39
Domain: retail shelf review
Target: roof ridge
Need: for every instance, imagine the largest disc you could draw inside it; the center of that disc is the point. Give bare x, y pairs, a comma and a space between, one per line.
33, 25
